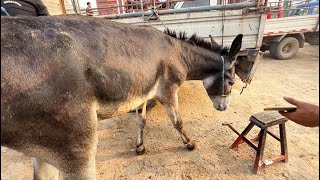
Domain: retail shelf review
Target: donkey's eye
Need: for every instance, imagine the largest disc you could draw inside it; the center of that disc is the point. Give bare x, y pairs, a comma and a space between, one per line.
231, 83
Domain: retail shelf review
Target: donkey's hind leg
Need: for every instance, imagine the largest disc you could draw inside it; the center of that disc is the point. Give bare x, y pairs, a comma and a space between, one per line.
77, 158
44, 171
86, 172
141, 121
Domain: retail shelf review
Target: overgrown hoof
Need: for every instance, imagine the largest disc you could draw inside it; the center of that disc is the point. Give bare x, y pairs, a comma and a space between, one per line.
140, 150
191, 145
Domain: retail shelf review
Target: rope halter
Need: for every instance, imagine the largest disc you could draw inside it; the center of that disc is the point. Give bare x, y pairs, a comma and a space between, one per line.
223, 79
223, 69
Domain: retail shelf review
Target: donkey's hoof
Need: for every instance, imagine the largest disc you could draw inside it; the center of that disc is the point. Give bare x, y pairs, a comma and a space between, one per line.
191, 145
140, 150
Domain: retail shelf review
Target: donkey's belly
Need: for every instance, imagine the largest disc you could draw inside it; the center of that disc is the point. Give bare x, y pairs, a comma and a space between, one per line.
133, 101
118, 108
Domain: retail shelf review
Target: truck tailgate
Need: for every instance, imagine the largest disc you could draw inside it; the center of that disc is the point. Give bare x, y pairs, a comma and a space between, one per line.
209, 23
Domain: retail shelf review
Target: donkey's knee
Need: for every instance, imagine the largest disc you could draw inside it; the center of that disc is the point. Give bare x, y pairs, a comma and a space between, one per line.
178, 125
141, 121
42, 170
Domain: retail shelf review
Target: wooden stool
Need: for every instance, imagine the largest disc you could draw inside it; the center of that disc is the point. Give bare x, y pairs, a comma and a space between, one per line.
264, 120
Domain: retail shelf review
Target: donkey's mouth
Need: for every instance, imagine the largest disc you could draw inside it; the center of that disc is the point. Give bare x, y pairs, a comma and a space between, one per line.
220, 107
220, 103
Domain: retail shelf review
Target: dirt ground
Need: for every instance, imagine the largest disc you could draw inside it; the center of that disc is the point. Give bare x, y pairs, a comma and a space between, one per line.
166, 157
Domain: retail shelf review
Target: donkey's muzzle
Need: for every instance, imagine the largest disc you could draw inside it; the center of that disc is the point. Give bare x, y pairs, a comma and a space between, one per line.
221, 103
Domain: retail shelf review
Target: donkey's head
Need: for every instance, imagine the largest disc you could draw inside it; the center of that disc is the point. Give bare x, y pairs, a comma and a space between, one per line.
219, 85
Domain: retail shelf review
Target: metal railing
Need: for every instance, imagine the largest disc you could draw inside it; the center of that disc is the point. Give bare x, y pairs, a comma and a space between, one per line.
281, 9
131, 7
184, 10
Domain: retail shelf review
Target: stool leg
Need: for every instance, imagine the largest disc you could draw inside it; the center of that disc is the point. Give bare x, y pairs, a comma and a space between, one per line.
283, 141
256, 138
259, 156
244, 132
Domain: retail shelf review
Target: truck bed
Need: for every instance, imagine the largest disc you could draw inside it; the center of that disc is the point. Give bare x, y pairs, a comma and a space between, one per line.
291, 25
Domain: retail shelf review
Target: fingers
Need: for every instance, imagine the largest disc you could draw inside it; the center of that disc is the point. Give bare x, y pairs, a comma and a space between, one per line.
283, 113
292, 101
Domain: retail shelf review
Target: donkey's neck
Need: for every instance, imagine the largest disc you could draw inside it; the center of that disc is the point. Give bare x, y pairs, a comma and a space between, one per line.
200, 62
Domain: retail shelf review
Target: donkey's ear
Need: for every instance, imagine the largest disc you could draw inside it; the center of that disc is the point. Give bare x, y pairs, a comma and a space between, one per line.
213, 42
235, 47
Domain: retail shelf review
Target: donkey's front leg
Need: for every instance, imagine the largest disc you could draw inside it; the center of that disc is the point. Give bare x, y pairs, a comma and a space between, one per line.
43, 170
171, 106
141, 121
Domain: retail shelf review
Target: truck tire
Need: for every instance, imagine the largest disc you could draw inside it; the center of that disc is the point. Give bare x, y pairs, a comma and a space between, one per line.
264, 48
272, 48
286, 48
312, 38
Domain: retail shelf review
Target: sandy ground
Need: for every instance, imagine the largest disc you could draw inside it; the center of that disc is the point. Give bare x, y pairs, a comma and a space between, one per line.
166, 157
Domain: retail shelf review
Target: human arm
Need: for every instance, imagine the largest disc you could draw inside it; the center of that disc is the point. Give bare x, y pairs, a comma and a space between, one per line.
306, 114
89, 12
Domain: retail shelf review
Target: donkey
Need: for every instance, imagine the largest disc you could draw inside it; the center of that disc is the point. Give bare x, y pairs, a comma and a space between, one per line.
59, 72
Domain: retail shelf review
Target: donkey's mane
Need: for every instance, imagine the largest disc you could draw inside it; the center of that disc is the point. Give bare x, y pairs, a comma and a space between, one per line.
198, 41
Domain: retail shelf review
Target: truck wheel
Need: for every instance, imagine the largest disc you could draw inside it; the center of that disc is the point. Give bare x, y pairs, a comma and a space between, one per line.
286, 48
264, 48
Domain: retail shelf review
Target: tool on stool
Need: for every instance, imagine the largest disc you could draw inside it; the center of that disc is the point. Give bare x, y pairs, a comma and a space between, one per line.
263, 120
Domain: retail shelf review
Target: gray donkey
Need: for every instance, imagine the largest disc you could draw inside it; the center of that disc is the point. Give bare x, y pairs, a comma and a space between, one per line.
58, 73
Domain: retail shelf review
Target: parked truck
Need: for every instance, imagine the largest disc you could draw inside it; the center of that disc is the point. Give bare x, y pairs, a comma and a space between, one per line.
282, 36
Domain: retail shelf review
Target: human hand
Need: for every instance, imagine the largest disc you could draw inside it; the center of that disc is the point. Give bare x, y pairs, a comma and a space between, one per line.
306, 114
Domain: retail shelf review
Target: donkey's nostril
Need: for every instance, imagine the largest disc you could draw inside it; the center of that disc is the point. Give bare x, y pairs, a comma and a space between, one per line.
221, 107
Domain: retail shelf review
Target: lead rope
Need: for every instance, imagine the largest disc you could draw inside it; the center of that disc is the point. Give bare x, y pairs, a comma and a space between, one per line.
154, 11
223, 19
142, 13
223, 70
222, 34
243, 88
